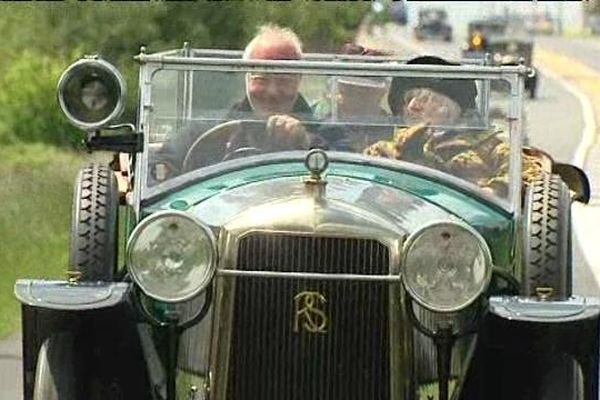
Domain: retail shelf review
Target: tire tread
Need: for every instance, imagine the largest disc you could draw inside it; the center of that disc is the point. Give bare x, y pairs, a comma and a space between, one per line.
94, 225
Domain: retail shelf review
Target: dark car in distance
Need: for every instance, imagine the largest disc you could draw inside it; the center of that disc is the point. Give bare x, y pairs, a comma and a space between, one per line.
433, 24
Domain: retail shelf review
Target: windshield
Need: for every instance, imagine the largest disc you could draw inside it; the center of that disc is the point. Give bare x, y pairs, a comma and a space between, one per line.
204, 118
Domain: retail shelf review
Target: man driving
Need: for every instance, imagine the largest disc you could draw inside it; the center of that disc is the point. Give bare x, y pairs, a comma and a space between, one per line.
272, 98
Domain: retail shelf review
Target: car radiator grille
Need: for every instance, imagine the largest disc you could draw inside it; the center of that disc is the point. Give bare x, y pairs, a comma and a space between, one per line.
273, 353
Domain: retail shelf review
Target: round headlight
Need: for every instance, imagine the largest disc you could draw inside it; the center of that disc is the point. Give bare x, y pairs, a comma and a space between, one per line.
446, 266
91, 93
172, 256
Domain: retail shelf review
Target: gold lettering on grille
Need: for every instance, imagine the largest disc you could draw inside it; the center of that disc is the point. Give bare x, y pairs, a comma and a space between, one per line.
309, 313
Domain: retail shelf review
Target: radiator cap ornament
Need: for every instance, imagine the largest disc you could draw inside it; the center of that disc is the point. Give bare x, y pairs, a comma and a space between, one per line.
316, 162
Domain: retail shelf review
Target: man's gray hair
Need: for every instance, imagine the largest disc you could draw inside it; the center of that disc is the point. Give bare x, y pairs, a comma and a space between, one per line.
269, 33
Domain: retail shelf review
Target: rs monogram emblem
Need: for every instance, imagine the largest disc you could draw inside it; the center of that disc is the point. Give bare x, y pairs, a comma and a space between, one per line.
309, 313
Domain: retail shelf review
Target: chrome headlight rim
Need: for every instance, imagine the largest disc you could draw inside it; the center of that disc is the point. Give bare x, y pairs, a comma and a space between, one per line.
213, 255
412, 238
113, 72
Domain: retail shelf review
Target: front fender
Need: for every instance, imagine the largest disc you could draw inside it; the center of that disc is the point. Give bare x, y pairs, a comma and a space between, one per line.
102, 322
527, 343
67, 296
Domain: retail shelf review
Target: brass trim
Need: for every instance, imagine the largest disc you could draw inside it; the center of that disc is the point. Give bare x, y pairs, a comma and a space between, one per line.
309, 312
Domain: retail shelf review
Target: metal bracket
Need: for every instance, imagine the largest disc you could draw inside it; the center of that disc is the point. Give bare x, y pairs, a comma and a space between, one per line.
124, 143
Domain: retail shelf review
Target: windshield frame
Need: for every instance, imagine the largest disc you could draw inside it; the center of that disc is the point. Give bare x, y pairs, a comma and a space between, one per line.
324, 65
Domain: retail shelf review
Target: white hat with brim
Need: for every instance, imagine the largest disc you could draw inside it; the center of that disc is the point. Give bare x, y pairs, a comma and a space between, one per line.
364, 82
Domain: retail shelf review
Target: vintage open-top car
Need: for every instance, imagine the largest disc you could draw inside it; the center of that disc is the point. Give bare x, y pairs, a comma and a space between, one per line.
311, 272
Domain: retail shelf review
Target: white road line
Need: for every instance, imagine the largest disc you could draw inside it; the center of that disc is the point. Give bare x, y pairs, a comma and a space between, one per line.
589, 120
584, 216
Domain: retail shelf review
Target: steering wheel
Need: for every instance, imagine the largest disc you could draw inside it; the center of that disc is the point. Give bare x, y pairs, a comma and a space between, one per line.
242, 152
209, 147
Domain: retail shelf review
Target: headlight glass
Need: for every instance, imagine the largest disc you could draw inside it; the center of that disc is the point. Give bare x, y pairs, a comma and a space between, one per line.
446, 266
172, 256
91, 93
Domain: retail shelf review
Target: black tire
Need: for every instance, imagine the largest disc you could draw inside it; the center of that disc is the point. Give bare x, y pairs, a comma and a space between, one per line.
55, 370
531, 89
547, 237
93, 248
531, 85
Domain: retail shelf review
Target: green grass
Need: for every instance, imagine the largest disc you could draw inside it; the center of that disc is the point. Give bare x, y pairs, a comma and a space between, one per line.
36, 183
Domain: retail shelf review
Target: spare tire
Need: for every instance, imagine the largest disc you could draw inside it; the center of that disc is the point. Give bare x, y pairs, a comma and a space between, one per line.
547, 238
93, 248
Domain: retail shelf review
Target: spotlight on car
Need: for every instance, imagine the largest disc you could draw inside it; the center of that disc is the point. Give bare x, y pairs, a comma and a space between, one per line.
172, 256
91, 93
446, 266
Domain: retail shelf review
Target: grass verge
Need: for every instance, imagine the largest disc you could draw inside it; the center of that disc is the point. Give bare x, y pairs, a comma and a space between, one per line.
36, 184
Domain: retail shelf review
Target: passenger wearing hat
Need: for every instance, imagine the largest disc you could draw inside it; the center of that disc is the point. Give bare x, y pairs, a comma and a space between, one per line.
357, 102
432, 100
356, 97
438, 110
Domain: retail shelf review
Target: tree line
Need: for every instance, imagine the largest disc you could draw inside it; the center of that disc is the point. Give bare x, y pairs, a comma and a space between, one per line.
41, 39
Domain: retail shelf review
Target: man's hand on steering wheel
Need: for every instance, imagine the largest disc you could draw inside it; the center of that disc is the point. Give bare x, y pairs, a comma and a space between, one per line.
287, 133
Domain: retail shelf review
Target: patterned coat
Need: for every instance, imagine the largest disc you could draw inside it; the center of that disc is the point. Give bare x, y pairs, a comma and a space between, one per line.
481, 157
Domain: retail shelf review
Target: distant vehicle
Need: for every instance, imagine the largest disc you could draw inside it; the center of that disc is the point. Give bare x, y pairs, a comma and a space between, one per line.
480, 31
399, 13
433, 24
505, 41
593, 24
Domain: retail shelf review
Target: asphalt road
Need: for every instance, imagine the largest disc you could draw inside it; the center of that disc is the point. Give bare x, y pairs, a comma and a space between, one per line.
586, 50
554, 122
11, 381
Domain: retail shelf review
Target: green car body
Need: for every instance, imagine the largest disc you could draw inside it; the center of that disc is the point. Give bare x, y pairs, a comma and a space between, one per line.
301, 273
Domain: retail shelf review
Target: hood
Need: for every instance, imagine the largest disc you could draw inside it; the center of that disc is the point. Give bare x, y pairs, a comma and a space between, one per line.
393, 203
284, 204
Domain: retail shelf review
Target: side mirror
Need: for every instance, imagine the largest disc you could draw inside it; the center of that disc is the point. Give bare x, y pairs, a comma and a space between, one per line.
91, 93
576, 180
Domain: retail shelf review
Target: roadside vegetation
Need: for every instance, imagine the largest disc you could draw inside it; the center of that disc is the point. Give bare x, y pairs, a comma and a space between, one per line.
35, 193
41, 152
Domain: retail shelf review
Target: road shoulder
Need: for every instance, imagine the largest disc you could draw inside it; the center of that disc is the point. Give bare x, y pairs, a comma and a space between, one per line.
584, 83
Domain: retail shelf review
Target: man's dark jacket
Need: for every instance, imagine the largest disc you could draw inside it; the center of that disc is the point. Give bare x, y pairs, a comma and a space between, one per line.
174, 150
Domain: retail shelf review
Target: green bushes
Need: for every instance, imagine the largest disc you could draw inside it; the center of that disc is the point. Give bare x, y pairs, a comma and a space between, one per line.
35, 192
29, 111
31, 60
322, 26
